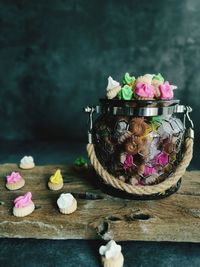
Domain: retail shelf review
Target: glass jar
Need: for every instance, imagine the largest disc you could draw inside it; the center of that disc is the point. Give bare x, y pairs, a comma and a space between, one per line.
139, 142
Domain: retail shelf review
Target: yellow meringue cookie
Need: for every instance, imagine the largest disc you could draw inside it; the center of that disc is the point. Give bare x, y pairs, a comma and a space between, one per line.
56, 178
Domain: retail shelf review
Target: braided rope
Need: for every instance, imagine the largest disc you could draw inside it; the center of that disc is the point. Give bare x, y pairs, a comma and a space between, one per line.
143, 190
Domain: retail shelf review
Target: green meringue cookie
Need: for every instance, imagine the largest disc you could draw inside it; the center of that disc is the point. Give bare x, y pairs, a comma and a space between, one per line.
125, 93
128, 79
158, 77
80, 161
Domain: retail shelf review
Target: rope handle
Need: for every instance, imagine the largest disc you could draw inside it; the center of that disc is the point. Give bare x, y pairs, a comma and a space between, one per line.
149, 189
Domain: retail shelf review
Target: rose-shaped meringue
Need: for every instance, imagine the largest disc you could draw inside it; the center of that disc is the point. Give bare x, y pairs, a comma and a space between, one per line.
144, 90
166, 91
13, 178
162, 158
111, 250
128, 79
23, 201
112, 83
125, 93
128, 163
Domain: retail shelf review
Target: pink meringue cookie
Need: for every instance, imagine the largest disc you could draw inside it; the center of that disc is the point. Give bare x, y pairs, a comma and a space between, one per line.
13, 178
162, 158
23, 201
149, 171
128, 163
144, 90
166, 91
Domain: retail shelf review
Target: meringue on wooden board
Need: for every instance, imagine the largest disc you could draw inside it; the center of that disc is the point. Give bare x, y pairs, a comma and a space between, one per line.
14, 181
56, 181
27, 162
67, 204
23, 205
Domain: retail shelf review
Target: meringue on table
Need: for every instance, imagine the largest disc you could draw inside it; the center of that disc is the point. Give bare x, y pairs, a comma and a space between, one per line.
23, 205
67, 204
27, 162
111, 255
14, 181
56, 181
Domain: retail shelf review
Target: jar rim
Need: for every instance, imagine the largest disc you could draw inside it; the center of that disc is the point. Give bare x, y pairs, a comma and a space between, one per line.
138, 103
146, 108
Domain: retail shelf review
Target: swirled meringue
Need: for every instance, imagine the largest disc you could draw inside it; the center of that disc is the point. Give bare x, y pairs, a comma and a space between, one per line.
112, 83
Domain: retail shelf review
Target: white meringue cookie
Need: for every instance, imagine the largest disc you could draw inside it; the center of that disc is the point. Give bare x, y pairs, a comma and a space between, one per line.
27, 162
67, 204
65, 200
112, 83
110, 250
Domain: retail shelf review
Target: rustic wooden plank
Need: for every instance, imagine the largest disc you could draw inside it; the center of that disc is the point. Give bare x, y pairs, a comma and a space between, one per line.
99, 215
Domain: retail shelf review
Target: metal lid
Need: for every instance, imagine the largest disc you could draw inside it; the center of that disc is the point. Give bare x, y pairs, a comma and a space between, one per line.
145, 108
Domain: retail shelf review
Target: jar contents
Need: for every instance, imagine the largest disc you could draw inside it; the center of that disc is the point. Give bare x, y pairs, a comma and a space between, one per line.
139, 150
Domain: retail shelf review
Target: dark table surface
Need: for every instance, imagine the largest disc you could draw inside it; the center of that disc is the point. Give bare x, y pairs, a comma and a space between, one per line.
84, 253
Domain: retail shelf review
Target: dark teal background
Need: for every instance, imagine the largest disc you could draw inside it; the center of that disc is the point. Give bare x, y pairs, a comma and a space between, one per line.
55, 57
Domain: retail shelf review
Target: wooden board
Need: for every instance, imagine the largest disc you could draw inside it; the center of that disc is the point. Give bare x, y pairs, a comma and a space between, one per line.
99, 215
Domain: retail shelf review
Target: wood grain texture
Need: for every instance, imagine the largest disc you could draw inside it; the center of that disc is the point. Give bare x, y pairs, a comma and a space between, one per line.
99, 215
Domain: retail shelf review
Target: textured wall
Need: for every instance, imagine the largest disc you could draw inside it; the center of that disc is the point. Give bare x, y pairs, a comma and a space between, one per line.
56, 56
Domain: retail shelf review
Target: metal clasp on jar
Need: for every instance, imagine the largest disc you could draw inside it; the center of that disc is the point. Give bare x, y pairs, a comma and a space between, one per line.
190, 130
90, 111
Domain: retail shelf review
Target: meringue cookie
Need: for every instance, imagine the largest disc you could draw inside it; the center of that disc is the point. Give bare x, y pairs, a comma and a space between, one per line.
67, 203
56, 181
128, 79
27, 162
112, 83
166, 91
23, 205
125, 93
111, 255
144, 90
14, 181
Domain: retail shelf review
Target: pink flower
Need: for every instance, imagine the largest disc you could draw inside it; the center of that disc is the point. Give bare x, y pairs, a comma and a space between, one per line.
128, 163
144, 90
166, 91
162, 158
149, 171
